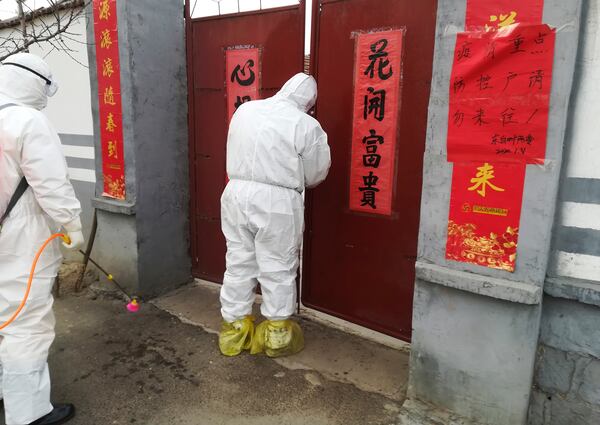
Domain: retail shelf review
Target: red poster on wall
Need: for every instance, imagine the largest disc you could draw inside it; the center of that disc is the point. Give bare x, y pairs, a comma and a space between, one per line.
495, 14
377, 79
485, 210
243, 75
109, 97
500, 95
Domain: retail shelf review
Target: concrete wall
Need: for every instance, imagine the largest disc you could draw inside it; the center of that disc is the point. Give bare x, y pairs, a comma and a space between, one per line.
146, 238
69, 110
476, 329
567, 379
577, 234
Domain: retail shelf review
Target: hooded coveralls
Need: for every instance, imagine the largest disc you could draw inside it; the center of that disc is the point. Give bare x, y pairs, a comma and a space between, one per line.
30, 147
274, 150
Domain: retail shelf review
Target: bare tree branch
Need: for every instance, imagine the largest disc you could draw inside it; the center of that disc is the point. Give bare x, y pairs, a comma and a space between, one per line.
43, 25
22, 19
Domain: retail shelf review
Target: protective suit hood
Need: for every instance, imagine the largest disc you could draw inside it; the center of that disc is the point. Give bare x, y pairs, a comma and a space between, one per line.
301, 89
26, 79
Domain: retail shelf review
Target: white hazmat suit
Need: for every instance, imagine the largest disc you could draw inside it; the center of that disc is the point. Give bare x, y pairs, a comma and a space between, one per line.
30, 147
274, 150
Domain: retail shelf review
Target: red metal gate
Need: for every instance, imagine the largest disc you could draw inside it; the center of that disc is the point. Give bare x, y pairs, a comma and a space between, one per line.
279, 36
357, 266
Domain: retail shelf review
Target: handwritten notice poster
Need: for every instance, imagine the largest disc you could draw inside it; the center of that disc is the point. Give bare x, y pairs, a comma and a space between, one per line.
377, 77
500, 95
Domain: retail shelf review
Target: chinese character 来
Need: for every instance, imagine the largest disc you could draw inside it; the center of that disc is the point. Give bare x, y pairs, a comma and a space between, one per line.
481, 181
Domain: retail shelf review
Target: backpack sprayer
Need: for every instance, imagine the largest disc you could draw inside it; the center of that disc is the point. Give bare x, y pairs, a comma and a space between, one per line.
132, 306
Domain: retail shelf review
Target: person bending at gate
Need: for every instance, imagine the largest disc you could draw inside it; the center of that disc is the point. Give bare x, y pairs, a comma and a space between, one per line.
274, 151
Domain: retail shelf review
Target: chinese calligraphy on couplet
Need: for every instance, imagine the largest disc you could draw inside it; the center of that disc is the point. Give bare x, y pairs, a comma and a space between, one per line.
378, 71
243, 77
109, 97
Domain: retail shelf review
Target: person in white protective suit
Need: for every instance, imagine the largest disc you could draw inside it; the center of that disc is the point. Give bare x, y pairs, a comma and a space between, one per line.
274, 151
30, 148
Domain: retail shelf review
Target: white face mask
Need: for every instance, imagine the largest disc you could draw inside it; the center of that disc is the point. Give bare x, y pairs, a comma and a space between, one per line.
51, 86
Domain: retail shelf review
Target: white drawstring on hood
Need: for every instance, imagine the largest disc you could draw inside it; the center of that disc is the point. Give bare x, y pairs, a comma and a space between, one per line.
26, 79
300, 89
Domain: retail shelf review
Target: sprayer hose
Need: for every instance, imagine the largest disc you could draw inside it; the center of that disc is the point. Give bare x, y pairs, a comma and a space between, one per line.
31, 274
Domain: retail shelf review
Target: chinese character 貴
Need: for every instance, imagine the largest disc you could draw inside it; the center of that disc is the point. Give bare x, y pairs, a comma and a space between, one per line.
369, 190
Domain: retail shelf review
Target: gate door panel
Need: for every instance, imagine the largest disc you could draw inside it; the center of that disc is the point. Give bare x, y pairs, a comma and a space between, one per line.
276, 37
361, 243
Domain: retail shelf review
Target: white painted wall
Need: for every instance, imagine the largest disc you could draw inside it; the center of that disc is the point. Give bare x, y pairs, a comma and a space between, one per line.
585, 152
69, 110
583, 160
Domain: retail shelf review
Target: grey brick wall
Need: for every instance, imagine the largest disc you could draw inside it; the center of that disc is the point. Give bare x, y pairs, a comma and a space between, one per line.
567, 378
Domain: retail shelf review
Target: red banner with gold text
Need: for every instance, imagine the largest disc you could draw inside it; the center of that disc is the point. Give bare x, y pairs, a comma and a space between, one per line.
495, 14
377, 80
485, 210
500, 95
109, 97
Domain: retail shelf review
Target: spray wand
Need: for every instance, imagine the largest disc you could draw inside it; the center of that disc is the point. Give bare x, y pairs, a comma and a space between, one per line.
133, 305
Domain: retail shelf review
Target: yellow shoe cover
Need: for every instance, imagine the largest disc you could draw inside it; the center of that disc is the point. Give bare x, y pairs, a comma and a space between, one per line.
278, 338
236, 336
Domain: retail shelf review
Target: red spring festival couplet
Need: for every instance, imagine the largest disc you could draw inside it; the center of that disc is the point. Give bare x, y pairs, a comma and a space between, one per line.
485, 209
377, 79
500, 95
109, 97
243, 75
